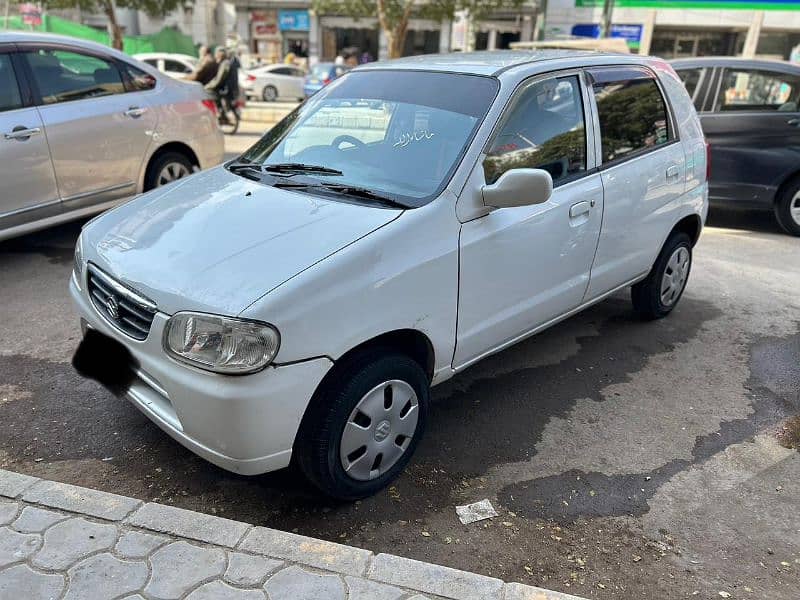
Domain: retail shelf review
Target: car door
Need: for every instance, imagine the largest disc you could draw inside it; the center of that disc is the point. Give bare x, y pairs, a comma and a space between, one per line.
753, 127
525, 266
283, 80
98, 124
642, 170
28, 184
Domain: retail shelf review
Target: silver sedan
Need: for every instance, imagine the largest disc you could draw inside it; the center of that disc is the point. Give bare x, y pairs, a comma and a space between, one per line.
84, 127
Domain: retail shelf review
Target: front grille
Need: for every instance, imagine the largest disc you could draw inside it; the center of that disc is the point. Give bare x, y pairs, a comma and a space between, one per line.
125, 309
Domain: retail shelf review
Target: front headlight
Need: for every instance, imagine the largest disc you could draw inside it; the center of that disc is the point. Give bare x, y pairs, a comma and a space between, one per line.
221, 344
77, 266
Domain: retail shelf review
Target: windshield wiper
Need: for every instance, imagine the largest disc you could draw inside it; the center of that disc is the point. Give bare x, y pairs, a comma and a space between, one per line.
347, 190
245, 169
300, 168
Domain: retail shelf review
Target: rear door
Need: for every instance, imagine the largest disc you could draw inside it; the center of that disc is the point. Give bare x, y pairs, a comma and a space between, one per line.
26, 173
642, 169
98, 125
754, 130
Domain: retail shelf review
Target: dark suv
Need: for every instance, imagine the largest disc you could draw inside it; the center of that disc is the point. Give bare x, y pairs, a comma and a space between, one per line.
750, 115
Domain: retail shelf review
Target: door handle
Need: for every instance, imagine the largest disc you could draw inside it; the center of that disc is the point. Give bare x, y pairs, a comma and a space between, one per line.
22, 133
673, 172
135, 112
581, 208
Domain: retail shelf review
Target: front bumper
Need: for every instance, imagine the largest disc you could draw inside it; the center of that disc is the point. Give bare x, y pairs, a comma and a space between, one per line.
245, 424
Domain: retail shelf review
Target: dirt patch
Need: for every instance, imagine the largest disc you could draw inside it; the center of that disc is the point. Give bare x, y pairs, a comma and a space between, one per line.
788, 433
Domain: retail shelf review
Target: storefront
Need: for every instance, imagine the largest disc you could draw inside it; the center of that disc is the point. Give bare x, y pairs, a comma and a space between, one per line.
679, 28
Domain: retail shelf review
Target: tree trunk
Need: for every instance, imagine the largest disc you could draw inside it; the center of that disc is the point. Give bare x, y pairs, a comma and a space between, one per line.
116, 30
397, 40
396, 31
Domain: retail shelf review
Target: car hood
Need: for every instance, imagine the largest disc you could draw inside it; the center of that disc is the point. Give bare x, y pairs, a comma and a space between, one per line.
217, 242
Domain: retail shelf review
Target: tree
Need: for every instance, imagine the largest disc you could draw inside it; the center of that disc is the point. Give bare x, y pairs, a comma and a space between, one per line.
394, 15
154, 8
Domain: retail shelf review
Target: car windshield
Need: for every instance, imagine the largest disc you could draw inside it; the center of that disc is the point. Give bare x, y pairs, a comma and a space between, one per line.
399, 134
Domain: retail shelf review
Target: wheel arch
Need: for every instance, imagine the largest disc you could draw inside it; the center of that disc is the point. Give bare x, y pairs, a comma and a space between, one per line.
179, 147
790, 179
691, 225
411, 342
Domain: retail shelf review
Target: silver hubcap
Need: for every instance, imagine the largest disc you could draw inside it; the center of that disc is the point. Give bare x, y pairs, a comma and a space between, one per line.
379, 430
794, 208
675, 276
270, 94
171, 172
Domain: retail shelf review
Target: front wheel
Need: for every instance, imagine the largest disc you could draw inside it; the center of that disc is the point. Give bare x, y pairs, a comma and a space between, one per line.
656, 296
787, 208
364, 424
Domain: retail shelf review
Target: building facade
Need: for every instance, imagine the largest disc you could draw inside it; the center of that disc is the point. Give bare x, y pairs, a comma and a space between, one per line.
680, 28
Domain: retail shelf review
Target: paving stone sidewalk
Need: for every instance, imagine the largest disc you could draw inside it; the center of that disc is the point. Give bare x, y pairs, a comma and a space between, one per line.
63, 542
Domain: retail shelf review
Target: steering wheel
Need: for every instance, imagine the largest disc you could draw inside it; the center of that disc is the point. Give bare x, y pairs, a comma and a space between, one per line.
339, 139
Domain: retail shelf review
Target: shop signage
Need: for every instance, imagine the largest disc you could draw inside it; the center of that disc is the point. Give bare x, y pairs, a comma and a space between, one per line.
632, 34
293, 20
264, 24
712, 4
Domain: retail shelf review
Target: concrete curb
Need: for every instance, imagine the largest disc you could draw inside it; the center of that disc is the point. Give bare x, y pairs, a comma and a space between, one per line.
291, 557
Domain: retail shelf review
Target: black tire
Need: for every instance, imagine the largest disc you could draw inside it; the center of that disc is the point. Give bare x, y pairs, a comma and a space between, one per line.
316, 449
269, 93
783, 206
154, 170
646, 295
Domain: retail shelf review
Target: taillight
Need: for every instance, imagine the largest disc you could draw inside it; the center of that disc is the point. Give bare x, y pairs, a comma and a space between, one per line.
211, 105
326, 81
251, 78
708, 161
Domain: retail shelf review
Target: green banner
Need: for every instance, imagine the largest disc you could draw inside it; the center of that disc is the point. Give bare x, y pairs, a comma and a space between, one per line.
709, 4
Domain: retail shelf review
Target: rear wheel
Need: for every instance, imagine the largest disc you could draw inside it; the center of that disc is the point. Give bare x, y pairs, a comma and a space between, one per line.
363, 424
167, 168
656, 296
270, 93
787, 207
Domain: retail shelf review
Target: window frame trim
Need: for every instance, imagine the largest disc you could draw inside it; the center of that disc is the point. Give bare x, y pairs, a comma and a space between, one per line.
28, 47
602, 166
589, 129
20, 75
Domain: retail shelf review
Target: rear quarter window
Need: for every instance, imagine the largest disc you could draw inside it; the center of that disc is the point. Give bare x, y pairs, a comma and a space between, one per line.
632, 112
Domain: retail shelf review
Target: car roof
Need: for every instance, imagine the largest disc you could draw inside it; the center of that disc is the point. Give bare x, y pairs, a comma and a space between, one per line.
732, 61
489, 62
174, 55
20, 37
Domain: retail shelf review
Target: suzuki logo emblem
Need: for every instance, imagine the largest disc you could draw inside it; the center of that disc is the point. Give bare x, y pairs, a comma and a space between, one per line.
382, 431
112, 306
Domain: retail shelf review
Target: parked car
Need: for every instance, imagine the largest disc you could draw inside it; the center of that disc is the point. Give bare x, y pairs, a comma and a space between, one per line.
174, 65
83, 127
321, 75
273, 82
395, 229
750, 114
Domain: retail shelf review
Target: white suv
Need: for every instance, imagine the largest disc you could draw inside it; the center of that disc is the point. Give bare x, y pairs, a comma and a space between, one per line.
410, 219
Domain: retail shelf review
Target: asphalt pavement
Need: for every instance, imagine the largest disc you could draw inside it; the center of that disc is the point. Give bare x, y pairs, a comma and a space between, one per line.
626, 459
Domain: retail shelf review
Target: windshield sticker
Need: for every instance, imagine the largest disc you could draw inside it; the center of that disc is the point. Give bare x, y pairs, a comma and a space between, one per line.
413, 136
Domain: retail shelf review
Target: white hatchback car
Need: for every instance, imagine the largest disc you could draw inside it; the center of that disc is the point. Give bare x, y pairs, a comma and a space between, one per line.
176, 66
83, 127
408, 220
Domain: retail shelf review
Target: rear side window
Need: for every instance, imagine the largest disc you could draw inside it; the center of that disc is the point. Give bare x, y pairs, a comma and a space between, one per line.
632, 112
9, 91
543, 130
173, 66
691, 79
750, 89
137, 80
63, 76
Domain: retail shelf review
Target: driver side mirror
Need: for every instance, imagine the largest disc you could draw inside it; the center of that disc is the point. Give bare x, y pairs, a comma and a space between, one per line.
519, 187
